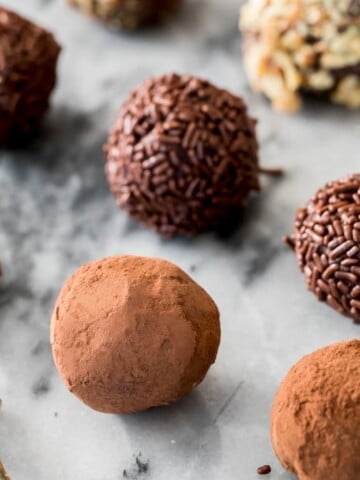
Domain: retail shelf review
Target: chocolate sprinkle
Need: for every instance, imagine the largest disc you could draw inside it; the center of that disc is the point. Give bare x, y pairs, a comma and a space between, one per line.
264, 470
182, 157
27, 75
327, 245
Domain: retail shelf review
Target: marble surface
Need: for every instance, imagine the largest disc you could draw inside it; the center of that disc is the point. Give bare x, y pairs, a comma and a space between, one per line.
56, 213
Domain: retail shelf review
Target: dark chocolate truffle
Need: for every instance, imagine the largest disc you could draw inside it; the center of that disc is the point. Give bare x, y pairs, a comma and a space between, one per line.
182, 156
127, 14
293, 46
129, 333
28, 58
326, 240
315, 424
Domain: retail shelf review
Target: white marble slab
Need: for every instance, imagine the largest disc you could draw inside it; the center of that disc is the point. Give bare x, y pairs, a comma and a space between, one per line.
56, 213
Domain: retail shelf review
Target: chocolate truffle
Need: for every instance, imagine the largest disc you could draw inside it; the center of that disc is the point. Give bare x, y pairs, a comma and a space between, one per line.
315, 424
182, 156
28, 58
326, 241
127, 14
129, 333
292, 46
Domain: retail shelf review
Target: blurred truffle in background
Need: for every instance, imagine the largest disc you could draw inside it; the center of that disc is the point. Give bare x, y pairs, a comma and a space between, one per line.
28, 59
293, 46
128, 14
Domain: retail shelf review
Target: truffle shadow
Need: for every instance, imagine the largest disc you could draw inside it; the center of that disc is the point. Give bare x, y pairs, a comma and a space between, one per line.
287, 476
317, 107
188, 424
233, 230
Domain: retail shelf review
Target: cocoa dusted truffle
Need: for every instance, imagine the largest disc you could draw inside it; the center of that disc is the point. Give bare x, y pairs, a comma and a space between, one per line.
182, 156
326, 241
28, 58
129, 333
315, 423
291, 46
127, 14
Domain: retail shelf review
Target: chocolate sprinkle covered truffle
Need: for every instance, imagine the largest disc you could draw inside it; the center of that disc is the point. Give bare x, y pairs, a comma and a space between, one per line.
127, 14
183, 155
315, 422
129, 333
326, 240
28, 58
291, 46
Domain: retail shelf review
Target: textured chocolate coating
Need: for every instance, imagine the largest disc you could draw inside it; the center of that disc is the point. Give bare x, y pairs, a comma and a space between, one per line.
182, 156
315, 423
129, 333
326, 240
127, 14
28, 58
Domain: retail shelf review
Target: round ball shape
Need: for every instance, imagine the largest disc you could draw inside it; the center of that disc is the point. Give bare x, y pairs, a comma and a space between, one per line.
315, 423
130, 333
327, 244
299, 45
127, 14
182, 156
28, 58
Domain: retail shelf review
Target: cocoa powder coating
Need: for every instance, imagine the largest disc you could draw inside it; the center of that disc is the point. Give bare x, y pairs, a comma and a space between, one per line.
326, 240
315, 424
28, 58
129, 333
182, 156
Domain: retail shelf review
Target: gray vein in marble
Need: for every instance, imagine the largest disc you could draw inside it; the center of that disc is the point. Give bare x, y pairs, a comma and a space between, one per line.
228, 401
